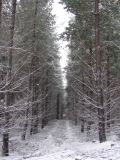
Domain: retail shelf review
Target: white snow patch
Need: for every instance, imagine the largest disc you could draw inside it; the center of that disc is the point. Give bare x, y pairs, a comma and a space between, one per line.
61, 140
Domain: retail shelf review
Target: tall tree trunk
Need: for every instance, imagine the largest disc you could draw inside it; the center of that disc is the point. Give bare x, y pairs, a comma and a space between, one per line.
25, 125
1, 74
74, 109
34, 78
58, 106
0, 14
101, 114
26, 120
108, 88
90, 93
83, 105
5, 146
45, 98
43, 122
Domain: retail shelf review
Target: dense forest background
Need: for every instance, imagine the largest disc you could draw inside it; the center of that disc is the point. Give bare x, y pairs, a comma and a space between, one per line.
30, 73
93, 70
31, 80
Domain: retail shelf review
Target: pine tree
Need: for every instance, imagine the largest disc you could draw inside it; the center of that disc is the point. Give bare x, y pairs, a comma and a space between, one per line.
0, 12
8, 82
91, 35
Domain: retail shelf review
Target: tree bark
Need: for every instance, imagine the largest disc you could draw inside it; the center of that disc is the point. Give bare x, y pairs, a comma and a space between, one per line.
108, 88
0, 14
90, 92
34, 78
58, 106
26, 122
45, 98
83, 90
5, 146
1, 74
101, 114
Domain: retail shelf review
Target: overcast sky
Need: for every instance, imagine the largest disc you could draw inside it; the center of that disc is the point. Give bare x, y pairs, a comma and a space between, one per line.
62, 19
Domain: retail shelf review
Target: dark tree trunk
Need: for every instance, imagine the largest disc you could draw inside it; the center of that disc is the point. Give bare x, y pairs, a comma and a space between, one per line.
1, 74
25, 130
0, 13
101, 115
9, 74
88, 130
26, 124
82, 126
83, 90
58, 106
90, 92
46, 96
43, 100
75, 109
108, 88
34, 79
5, 146
34, 93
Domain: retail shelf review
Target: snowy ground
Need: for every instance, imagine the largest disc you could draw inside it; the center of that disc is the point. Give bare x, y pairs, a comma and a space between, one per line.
61, 140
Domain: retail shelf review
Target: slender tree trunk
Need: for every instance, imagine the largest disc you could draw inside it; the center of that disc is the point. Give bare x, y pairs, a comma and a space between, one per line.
46, 99
82, 125
1, 75
34, 78
88, 130
75, 111
90, 92
108, 88
26, 121
0, 14
5, 146
58, 106
25, 126
101, 114
83, 90
43, 100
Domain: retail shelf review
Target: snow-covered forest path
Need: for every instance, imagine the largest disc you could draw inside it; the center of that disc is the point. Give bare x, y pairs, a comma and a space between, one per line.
61, 140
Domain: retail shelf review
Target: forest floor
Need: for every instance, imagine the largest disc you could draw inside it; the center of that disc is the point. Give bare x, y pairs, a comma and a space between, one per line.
61, 140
